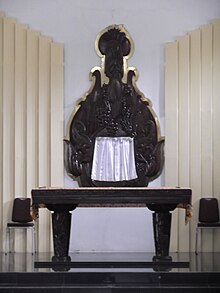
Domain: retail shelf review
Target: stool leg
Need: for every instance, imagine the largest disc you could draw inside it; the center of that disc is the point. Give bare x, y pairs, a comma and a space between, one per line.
7, 241
196, 248
9, 236
33, 241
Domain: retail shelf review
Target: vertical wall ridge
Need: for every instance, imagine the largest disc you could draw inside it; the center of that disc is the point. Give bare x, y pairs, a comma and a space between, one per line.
8, 117
171, 126
216, 119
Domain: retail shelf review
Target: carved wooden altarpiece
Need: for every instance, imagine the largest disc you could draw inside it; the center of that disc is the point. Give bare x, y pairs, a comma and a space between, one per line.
114, 108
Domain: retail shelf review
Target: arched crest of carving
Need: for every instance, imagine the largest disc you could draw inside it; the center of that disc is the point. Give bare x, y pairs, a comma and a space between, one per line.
114, 107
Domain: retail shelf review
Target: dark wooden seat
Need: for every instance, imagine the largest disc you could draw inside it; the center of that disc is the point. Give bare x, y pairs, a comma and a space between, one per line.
208, 216
21, 219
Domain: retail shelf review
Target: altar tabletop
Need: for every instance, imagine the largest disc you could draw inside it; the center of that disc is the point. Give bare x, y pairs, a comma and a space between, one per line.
112, 195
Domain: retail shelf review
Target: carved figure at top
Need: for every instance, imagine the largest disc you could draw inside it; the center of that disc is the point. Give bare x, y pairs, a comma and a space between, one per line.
113, 138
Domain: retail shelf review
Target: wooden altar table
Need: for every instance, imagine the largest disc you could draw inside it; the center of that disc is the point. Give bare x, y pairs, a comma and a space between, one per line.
61, 201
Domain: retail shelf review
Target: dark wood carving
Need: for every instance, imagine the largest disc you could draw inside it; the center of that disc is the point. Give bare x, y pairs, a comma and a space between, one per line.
114, 107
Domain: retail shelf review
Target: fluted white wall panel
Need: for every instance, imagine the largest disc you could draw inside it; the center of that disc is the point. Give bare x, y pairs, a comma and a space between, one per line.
194, 95
31, 121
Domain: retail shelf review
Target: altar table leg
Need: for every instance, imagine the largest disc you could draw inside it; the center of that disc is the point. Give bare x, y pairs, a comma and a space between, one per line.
162, 225
61, 221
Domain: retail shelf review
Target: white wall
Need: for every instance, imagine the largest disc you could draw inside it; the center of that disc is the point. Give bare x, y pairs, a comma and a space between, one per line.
76, 23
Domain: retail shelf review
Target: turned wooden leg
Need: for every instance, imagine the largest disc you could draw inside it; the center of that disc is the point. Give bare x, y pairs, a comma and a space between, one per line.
61, 223
162, 225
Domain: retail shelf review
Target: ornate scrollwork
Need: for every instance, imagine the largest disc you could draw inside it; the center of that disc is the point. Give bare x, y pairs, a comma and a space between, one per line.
114, 107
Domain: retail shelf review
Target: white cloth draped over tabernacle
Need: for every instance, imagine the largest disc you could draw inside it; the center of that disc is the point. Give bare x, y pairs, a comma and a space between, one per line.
113, 159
